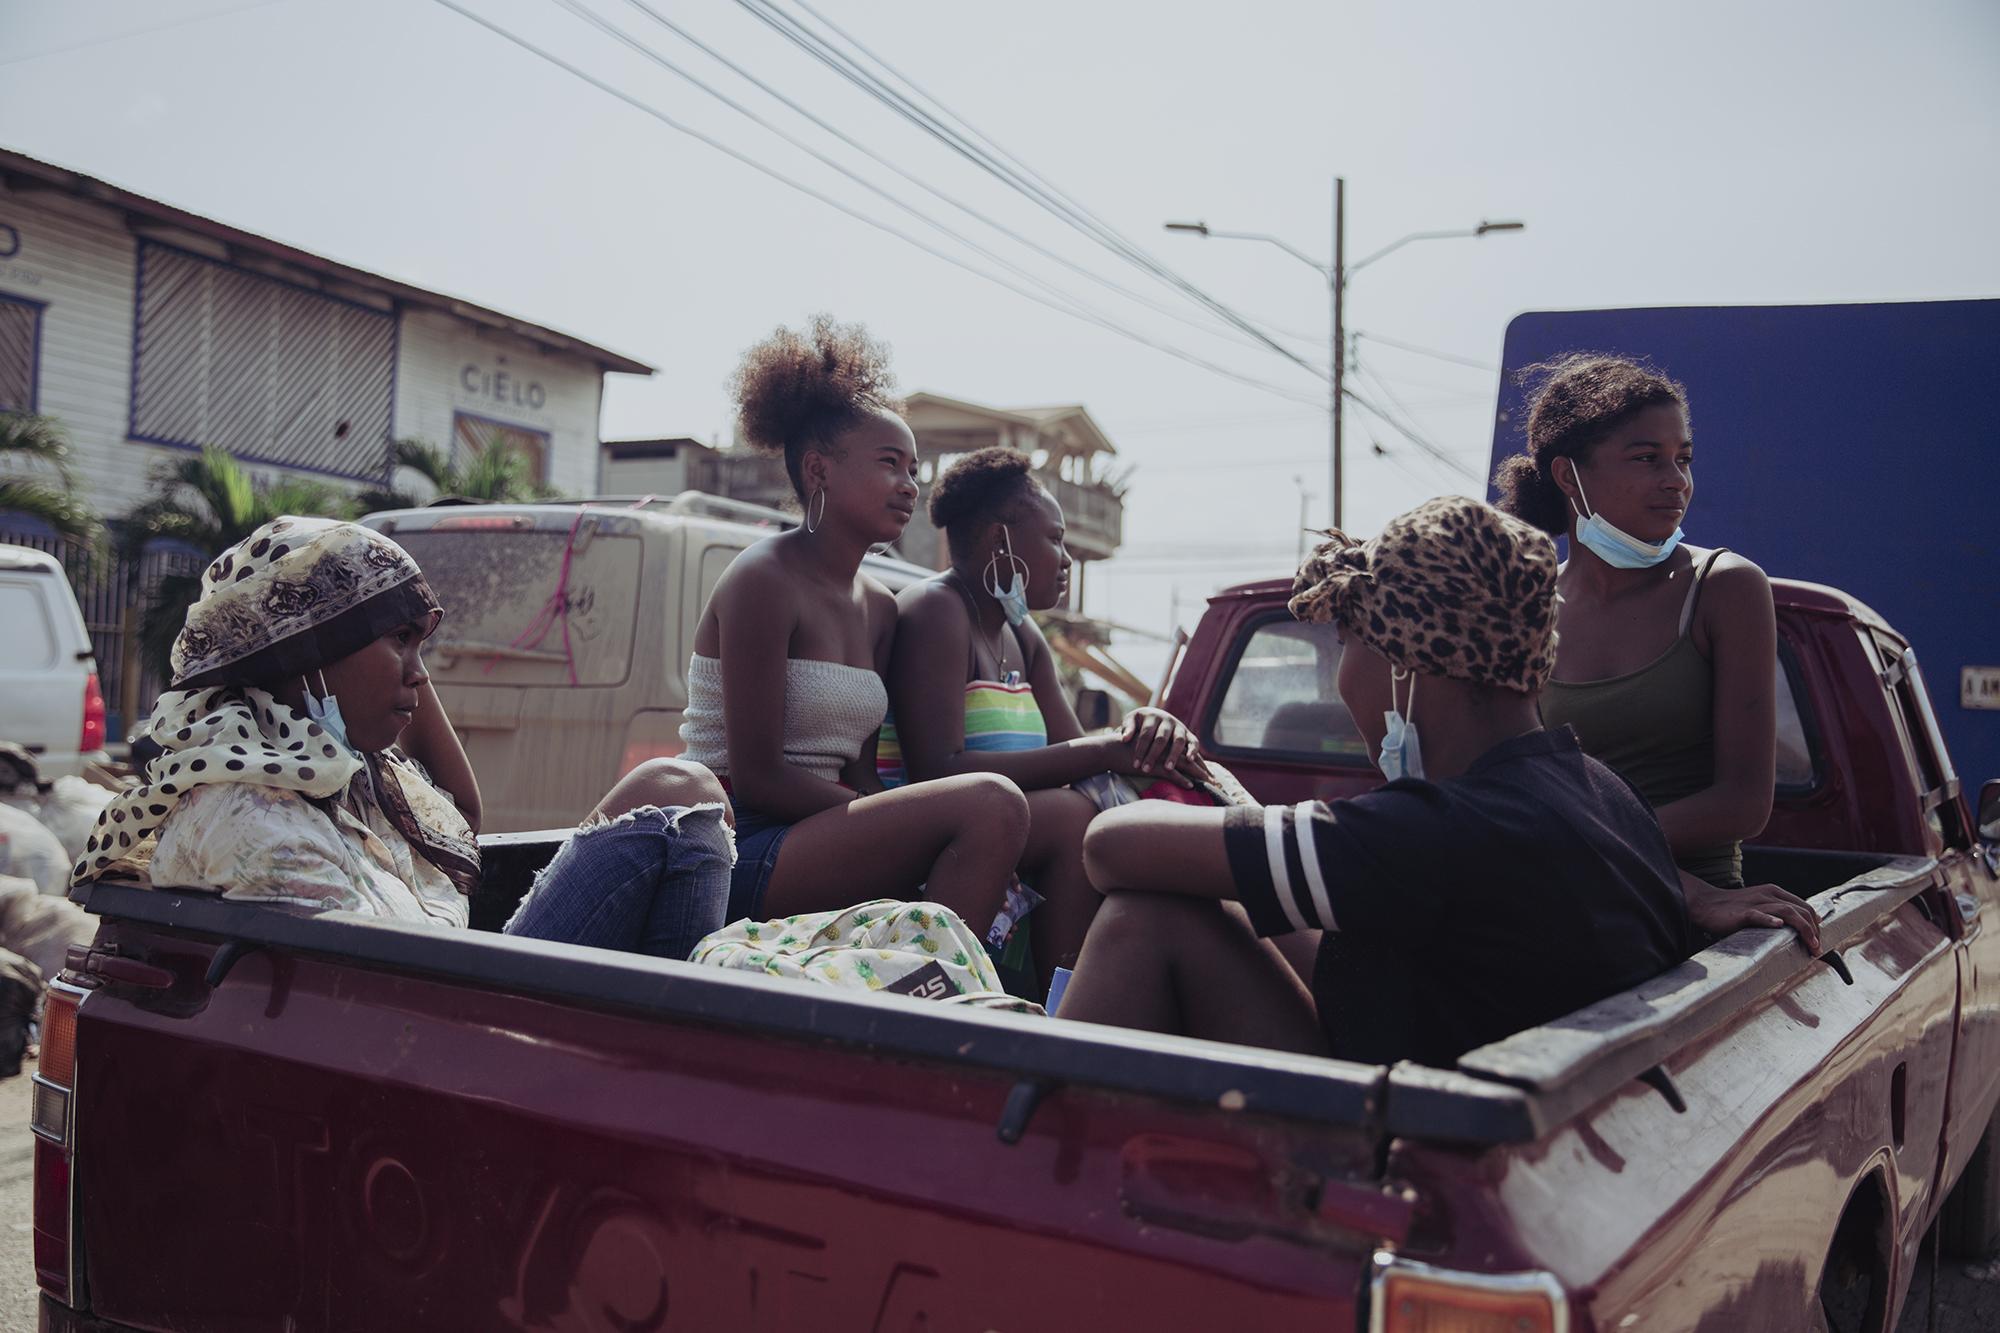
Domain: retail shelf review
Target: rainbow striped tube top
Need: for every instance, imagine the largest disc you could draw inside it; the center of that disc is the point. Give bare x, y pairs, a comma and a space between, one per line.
999, 717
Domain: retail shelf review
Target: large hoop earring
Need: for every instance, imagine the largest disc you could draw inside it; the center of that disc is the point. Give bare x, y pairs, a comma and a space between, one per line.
1015, 566
818, 497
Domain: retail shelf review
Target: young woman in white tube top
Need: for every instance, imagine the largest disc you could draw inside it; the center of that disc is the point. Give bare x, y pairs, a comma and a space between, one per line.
785, 692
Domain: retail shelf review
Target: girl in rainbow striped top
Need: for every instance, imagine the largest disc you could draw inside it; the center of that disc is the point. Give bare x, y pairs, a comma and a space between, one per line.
973, 686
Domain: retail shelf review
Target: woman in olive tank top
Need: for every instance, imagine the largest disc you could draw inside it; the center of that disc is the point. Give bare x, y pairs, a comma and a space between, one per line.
1666, 655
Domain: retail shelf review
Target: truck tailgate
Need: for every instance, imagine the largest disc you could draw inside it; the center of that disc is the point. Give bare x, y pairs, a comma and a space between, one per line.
366, 1125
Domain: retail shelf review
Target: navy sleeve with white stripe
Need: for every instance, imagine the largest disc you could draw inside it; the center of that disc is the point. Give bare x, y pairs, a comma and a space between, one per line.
1280, 866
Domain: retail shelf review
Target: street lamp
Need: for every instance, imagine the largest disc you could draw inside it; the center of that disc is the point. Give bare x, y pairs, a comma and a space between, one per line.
1336, 275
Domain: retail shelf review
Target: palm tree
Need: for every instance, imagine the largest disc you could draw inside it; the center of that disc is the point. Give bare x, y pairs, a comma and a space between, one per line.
209, 502
500, 474
24, 435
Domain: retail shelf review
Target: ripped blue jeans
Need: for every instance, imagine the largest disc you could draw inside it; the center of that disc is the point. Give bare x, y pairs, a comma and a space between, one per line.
652, 881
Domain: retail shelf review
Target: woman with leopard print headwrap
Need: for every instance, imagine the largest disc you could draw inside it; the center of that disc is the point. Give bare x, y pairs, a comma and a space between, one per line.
282, 782
1508, 880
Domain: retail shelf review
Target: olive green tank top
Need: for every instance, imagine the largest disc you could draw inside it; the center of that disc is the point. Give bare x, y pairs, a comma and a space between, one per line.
1656, 726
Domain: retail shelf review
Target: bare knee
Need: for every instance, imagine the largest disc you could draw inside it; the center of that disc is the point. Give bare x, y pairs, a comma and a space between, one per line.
664, 782
992, 806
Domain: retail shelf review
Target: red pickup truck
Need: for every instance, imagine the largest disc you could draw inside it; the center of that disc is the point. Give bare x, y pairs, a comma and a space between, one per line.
253, 1120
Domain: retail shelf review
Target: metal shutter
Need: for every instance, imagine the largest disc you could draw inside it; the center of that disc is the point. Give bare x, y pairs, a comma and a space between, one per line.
271, 372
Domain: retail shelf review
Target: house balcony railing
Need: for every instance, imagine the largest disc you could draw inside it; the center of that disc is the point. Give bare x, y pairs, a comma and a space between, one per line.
1095, 516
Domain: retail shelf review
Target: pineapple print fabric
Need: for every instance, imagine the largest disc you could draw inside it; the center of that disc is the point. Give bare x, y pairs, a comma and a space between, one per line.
915, 949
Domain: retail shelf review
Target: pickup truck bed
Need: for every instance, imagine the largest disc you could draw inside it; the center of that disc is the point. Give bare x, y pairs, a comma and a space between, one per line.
475, 1131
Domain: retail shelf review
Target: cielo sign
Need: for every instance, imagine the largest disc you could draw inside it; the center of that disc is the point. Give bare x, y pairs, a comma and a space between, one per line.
502, 386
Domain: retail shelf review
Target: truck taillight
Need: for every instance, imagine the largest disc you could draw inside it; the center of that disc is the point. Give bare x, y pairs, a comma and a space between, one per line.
54, 1122
93, 716
1409, 1297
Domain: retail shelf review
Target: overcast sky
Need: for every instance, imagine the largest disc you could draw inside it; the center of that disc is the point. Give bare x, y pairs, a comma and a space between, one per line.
1687, 154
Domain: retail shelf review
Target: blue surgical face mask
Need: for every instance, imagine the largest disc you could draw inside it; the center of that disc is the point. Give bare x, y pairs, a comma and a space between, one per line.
326, 711
1013, 597
1615, 546
1402, 754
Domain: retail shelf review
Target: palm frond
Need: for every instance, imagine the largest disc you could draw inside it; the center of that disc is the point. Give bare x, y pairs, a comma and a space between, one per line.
29, 435
429, 462
58, 508
305, 498
375, 500
228, 488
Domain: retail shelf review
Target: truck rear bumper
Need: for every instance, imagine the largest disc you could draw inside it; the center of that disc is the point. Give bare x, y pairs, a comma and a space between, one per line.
56, 1317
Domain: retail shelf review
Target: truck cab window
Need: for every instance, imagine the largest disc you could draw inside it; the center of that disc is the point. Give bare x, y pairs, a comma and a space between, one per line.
1798, 769
1280, 700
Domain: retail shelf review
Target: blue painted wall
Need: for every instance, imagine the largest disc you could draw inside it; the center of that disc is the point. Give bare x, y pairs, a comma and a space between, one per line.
1856, 445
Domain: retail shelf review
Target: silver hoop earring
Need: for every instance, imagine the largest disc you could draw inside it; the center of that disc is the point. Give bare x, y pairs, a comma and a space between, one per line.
818, 497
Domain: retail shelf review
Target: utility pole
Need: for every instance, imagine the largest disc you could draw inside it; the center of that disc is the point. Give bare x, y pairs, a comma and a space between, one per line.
1336, 274
1338, 282
1305, 497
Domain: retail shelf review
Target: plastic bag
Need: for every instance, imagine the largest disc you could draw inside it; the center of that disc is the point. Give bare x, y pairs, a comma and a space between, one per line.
896, 948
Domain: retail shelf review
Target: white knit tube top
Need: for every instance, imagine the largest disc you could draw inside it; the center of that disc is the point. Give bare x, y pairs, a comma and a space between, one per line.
831, 710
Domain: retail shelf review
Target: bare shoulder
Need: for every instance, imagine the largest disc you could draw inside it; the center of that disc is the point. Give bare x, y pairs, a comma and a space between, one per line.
758, 572
1733, 576
1736, 592
930, 607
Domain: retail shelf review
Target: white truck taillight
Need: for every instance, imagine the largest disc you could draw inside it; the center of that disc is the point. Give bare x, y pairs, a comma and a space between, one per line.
93, 716
1410, 1297
54, 1122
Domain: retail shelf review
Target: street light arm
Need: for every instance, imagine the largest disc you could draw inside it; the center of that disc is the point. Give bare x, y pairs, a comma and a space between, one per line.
1396, 245
1203, 229
1451, 235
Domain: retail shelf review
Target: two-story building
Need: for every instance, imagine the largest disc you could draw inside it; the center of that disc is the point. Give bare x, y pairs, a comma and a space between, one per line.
150, 331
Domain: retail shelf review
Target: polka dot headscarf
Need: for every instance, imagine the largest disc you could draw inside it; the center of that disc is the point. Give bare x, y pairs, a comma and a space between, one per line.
292, 597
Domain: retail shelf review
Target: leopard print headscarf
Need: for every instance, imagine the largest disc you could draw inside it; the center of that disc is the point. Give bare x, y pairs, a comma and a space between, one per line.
1452, 588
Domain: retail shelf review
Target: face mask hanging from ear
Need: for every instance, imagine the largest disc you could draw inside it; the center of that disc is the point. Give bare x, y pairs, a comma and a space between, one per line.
1615, 546
1402, 754
325, 710
1013, 598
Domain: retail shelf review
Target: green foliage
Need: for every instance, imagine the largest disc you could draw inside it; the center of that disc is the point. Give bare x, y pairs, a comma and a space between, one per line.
210, 502
500, 475
42, 439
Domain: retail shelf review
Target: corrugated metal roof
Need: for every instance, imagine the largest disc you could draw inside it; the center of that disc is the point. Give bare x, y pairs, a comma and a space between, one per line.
18, 167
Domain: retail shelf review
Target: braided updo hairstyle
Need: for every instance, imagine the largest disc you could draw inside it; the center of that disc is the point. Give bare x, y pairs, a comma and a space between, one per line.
990, 483
799, 389
1578, 400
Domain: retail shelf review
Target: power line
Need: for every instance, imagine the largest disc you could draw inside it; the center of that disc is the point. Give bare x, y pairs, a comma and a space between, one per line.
1031, 184
1058, 257
611, 30
141, 32
1446, 468
1414, 436
1316, 339
1432, 352
856, 214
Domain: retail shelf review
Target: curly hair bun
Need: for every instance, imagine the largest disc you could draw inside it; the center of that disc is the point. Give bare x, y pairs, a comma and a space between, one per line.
985, 484
1578, 400
802, 387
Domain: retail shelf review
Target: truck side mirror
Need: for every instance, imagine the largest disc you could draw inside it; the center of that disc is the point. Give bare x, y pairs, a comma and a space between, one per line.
1989, 810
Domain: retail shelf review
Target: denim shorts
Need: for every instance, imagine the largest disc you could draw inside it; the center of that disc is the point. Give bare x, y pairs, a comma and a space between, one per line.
758, 839
653, 881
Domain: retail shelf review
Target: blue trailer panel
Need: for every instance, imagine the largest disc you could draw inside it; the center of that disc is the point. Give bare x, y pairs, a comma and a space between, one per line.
1855, 445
